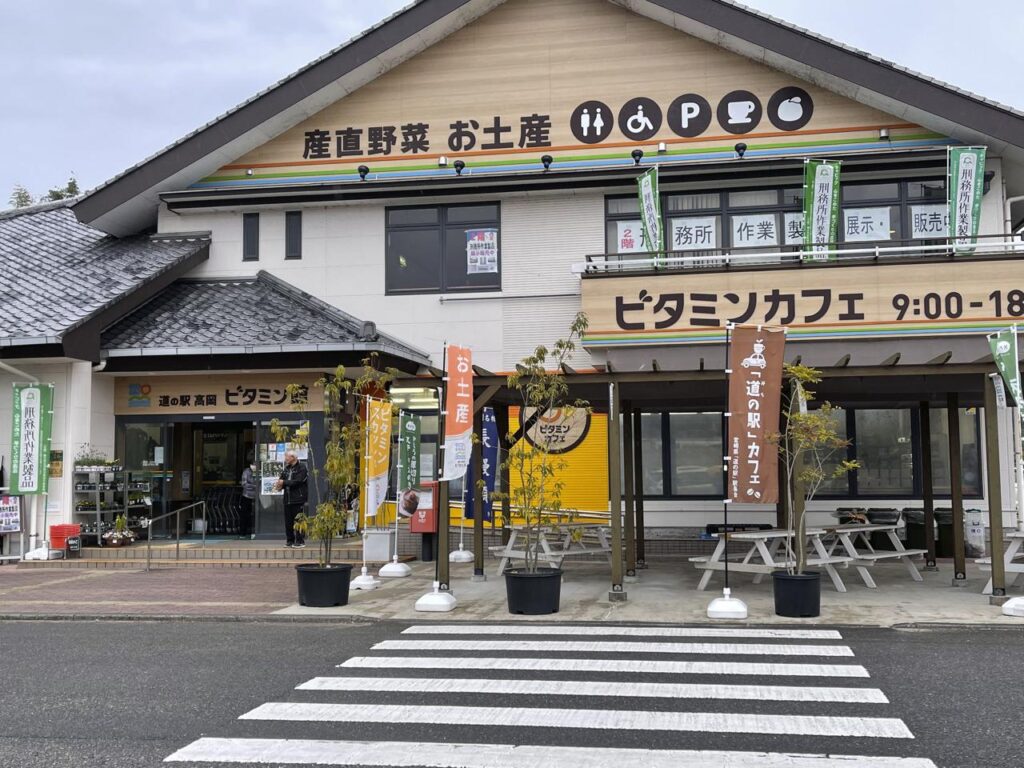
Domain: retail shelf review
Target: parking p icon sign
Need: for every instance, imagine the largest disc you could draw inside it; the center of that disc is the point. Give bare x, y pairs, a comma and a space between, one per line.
689, 115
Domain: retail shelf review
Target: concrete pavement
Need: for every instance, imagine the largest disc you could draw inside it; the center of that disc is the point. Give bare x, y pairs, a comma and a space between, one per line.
665, 592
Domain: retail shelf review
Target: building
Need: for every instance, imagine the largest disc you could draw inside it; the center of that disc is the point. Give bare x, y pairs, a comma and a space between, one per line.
240, 257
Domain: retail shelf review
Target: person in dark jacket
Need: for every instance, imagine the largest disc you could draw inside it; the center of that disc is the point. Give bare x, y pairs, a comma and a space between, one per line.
294, 480
250, 486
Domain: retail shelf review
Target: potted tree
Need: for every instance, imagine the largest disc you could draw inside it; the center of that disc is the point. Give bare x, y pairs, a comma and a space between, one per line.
535, 471
326, 583
812, 452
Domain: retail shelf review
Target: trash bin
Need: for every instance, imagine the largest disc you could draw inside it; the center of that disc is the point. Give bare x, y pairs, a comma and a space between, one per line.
974, 533
915, 529
74, 547
880, 539
944, 539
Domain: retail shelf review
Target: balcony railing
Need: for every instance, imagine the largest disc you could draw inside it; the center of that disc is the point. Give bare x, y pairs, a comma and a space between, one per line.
828, 254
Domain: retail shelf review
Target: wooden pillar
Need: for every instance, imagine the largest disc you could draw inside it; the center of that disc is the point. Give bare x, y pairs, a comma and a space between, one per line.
627, 470
956, 490
994, 493
502, 418
927, 486
617, 593
638, 489
478, 498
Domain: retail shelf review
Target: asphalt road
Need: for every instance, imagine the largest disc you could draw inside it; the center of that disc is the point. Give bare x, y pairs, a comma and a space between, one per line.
133, 693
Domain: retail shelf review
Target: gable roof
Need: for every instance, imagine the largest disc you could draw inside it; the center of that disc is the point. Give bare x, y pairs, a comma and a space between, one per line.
127, 203
58, 275
249, 316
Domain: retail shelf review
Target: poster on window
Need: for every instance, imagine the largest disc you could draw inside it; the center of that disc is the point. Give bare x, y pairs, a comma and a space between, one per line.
754, 230
629, 237
10, 514
866, 225
927, 221
794, 225
481, 251
694, 233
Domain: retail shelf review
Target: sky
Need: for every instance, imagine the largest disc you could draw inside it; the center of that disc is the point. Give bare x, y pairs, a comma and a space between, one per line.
90, 89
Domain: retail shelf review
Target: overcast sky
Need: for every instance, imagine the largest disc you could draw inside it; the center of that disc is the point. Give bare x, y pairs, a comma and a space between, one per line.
92, 88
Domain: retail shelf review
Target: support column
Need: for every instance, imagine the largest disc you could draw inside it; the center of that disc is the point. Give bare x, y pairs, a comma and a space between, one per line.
994, 494
478, 498
782, 507
638, 489
443, 508
927, 486
501, 417
617, 593
627, 469
956, 490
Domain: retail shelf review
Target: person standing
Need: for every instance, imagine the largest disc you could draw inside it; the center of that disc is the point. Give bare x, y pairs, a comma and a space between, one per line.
294, 480
250, 484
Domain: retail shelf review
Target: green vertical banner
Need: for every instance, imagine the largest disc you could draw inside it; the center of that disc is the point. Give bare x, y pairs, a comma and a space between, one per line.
31, 428
1004, 352
965, 182
409, 431
821, 208
650, 211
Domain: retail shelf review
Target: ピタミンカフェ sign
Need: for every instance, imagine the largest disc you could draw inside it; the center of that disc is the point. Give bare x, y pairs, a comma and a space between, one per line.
175, 395
974, 296
561, 429
755, 389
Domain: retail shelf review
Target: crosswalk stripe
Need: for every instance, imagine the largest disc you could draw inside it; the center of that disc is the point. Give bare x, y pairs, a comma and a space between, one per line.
587, 646
598, 719
626, 689
592, 630
608, 665
404, 754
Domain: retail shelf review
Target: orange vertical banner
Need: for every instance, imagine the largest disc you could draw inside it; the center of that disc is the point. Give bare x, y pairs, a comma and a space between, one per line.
458, 404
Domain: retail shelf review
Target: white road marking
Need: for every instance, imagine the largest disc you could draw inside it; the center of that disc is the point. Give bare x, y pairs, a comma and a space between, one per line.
591, 719
591, 630
405, 754
608, 665
587, 646
626, 689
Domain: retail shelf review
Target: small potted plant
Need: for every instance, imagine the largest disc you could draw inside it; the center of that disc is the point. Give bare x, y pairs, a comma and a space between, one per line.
812, 452
90, 459
121, 535
536, 471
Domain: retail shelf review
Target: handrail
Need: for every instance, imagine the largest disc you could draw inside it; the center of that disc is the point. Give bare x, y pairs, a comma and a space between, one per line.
177, 530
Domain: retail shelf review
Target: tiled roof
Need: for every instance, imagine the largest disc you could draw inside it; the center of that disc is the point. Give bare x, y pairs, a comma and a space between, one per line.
56, 273
256, 315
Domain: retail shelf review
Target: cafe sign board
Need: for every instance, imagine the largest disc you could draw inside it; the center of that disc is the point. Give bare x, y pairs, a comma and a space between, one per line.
183, 395
828, 302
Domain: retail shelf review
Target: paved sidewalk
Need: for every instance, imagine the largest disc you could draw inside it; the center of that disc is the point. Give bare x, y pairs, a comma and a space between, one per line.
663, 593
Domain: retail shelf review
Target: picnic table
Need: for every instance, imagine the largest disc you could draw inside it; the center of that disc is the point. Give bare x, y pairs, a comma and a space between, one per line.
555, 542
847, 537
763, 553
1010, 562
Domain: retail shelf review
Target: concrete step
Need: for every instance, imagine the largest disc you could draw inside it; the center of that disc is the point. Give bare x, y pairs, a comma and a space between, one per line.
244, 551
140, 563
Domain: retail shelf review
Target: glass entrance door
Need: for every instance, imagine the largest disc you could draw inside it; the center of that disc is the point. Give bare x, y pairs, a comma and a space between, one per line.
148, 461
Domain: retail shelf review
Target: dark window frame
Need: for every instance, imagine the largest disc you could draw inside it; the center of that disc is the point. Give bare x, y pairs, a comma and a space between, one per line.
289, 236
441, 228
250, 237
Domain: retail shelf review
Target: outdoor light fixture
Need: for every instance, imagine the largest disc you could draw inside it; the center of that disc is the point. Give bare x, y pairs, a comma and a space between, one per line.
741, 149
662, 147
442, 162
363, 170
987, 185
547, 160
459, 165
637, 155
248, 171
883, 134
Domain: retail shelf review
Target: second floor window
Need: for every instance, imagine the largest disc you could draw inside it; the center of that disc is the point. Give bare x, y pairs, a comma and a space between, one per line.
293, 235
250, 237
440, 249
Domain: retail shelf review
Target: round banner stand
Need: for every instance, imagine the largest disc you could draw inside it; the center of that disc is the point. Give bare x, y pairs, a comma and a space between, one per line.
727, 607
437, 601
1014, 607
364, 581
394, 570
461, 555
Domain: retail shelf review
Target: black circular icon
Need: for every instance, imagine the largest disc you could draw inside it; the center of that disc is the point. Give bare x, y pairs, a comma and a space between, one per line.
689, 115
639, 118
739, 112
592, 122
790, 108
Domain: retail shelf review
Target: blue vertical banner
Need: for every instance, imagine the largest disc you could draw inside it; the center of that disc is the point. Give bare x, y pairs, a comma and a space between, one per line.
489, 447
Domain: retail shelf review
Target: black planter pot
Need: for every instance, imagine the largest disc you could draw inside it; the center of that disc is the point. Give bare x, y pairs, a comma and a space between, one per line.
323, 587
797, 594
533, 594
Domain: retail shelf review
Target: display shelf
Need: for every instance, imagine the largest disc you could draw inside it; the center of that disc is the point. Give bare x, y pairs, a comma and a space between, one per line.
103, 492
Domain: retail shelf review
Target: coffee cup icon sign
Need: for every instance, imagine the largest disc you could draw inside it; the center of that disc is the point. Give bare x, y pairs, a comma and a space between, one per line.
740, 111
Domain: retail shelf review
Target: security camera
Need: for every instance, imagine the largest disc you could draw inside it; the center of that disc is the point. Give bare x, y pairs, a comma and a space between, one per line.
741, 149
